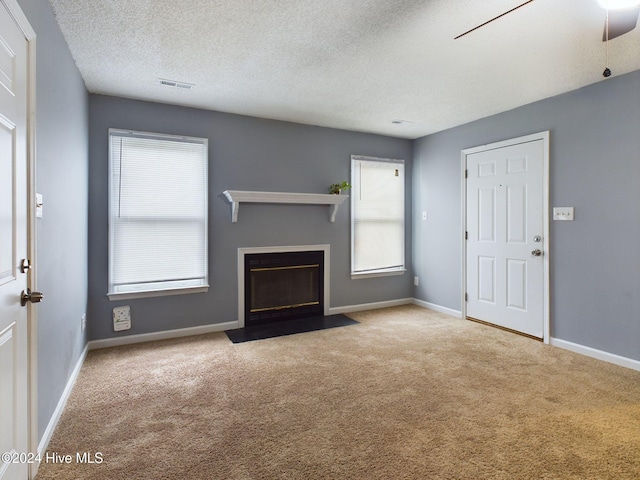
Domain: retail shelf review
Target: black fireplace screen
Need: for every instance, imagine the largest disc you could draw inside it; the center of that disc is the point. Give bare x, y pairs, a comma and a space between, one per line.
281, 286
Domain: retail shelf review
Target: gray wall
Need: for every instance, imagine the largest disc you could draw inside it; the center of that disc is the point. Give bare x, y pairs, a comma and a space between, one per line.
62, 105
594, 167
244, 154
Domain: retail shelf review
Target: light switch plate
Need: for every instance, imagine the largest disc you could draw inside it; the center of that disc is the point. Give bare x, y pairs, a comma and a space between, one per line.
38, 205
563, 213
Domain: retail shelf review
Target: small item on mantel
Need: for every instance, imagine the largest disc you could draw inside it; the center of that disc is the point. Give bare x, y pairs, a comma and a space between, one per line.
336, 188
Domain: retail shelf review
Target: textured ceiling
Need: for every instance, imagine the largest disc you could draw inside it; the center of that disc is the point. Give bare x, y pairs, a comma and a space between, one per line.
355, 65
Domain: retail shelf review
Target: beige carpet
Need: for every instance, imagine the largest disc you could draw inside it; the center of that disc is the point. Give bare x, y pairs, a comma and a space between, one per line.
407, 394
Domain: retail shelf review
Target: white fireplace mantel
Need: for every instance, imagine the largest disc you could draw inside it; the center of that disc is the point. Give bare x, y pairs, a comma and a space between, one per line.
236, 197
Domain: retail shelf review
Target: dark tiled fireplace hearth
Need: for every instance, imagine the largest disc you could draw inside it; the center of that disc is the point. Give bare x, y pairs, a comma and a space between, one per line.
283, 286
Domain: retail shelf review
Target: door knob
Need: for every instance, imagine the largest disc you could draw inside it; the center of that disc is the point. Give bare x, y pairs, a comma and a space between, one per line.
537, 252
29, 296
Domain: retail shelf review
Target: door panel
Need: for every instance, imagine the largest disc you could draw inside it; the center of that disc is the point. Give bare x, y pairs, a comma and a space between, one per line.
516, 213
516, 284
486, 214
13, 246
505, 283
7, 242
487, 279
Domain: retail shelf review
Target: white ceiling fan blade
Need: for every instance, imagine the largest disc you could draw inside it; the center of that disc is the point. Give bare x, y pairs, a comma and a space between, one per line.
621, 22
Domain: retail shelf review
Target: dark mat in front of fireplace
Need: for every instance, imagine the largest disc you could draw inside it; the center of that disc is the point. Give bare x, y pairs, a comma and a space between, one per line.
288, 327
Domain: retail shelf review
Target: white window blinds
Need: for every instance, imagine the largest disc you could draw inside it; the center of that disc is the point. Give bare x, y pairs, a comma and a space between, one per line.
377, 215
158, 212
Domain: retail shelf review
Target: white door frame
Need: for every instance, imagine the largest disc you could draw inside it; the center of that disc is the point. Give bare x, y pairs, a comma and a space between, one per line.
544, 136
32, 322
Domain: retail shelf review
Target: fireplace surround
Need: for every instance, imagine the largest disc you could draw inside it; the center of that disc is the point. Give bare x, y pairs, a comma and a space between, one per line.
281, 283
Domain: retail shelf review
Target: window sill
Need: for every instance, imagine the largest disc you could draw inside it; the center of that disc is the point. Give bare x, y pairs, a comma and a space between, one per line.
378, 273
158, 293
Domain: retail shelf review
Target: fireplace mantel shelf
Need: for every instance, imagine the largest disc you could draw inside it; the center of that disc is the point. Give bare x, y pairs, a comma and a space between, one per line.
236, 197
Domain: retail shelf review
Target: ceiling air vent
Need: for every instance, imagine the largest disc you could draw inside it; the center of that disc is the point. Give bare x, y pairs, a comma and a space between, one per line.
175, 84
401, 122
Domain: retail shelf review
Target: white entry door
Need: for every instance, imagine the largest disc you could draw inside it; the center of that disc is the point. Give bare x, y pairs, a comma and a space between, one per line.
505, 280
13, 248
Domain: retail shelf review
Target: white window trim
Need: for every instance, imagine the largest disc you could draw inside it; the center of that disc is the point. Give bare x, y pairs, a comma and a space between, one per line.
156, 292
383, 272
389, 272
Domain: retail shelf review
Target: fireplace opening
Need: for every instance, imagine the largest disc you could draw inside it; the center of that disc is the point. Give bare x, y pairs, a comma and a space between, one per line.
283, 286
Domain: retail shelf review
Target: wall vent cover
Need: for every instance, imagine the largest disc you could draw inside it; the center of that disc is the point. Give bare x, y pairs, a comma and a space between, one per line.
401, 122
175, 84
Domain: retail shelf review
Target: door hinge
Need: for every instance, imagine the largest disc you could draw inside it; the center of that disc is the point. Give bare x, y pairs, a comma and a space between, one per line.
25, 265
466, 174
466, 297
466, 235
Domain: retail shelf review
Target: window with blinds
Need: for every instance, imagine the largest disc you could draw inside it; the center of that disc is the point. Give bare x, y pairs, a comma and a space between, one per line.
157, 214
377, 216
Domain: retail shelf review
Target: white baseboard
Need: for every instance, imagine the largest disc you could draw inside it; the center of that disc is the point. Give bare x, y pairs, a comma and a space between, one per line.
437, 308
395, 303
370, 306
556, 342
55, 417
598, 354
163, 335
